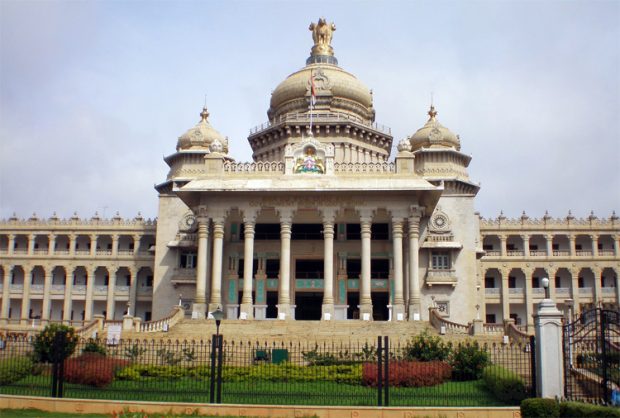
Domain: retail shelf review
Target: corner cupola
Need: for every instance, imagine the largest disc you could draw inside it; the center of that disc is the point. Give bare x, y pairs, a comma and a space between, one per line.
203, 136
434, 135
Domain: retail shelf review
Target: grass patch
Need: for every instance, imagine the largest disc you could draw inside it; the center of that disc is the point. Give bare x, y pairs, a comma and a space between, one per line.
36, 413
469, 393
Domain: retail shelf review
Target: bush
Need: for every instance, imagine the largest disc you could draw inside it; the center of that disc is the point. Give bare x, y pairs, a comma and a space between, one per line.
425, 347
540, 408
578, 409
12, 370
468, 361
92, 369
93, 346
44, 343
506, 385
409, 373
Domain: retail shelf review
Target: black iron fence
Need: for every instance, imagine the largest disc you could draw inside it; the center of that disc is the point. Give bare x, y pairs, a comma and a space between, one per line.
222, 370
592, 356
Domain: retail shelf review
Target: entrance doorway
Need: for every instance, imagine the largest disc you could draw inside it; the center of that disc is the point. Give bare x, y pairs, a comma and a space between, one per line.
353, 300
308, 306
272, 301
380, 301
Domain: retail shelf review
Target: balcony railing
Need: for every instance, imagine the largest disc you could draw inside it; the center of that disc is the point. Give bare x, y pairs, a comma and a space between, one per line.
36, 289
585, 291
79, 288
564, 291
515, 253
17, 288
493, 253
538, 253
58, 288
606, 252
492, 291
538, 291
100, 290
121, 290
516, 291
584, 253
561, 253
608, 290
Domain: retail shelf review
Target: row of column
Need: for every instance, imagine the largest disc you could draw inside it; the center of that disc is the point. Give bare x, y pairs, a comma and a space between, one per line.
286, 214
529, 303
549, 245
72, 244
68, 297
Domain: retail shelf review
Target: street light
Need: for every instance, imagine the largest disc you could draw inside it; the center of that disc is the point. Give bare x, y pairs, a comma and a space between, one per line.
545, 284
218, 315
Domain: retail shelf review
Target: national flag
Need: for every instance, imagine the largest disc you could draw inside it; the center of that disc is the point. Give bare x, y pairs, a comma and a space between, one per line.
312, 91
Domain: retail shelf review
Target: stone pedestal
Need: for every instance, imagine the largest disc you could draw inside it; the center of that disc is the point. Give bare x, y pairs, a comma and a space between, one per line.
199, 310
247, 311
128, 323
478, 327
414, 312
366, 312
398, 313
549, 353
327, 312
284, 311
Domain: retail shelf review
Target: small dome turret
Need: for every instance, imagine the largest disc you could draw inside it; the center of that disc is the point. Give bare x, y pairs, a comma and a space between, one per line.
201, 136
434, 135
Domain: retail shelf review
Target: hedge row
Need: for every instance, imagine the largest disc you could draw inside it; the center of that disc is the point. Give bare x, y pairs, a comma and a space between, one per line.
550, 408
351, 374
12, 370
504, 384
409, 373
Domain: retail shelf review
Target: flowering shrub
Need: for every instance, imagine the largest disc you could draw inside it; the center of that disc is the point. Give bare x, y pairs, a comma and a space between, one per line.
427, 347
409, 373
48, 349
92, 369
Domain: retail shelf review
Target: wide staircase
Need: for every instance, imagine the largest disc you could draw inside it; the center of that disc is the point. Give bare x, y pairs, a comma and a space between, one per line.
320, 332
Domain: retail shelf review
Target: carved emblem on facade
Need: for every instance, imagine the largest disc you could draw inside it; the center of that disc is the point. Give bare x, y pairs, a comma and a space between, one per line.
188, 223
309, 162
439, 222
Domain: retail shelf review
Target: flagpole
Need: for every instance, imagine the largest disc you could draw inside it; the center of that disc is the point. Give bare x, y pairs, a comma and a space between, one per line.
312, 99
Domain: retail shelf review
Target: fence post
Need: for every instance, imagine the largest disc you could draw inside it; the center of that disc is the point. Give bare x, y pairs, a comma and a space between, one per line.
549, 352
533, 365
220, 344
604, 363
213, 354
379, 372
386, 350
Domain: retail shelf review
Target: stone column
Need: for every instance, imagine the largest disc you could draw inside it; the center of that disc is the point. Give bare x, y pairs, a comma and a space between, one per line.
133, 290
598, 297
6, 293
503, 251
529, 303
47, 287
616, 239
347, 153
398, 307
51, 245
11, 249
551, 275
573, 251
31, 239
549, 245
200, 302
284, 299
575, 288
526, 245
249, 220
72, 242
218, 254
136, 244
505, 295
26, 295
110, 302
365, 283
594, 239
329, 216
415, 308
549, 352
114, 245
93, 245
617, 286
68, 303
90, 283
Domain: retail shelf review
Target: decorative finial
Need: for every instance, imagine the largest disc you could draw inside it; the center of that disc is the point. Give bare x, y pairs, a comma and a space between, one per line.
205, 113
432, 113
322, 33
614, 217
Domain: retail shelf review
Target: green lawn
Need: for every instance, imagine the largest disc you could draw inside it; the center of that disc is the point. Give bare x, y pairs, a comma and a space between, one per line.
36, 413
472, 393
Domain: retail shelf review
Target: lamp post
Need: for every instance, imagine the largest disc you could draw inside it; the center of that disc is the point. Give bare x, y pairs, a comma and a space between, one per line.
218, 315
545, 284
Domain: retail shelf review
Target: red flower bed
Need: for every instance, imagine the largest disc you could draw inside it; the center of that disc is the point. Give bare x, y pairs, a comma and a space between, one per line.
92, 369
409, 373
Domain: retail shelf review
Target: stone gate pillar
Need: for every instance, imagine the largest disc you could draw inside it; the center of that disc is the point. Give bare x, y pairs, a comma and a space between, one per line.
549, 352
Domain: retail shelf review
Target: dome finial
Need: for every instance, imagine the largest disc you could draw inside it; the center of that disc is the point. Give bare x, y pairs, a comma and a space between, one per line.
322, 51
432, 112
204, 114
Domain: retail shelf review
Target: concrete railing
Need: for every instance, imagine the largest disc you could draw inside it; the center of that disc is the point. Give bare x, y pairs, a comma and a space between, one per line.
439, 322
164, 324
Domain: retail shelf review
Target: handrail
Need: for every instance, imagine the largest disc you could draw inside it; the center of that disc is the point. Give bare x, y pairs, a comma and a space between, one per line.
87, 330
177, 314
438, 321
516, 334
257, 167
380, 167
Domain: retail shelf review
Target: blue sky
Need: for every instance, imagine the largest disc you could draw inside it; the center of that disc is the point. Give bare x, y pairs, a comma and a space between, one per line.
93, 94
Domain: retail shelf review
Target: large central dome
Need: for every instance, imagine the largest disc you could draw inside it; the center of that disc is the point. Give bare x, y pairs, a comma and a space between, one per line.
337, 91
326, 102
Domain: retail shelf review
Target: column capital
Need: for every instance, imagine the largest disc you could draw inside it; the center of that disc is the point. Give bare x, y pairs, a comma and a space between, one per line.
416, 211
366, 214
250, 214
329, 214
525, 237
286, 214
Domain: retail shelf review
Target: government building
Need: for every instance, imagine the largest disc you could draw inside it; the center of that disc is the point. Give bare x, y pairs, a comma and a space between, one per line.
326, 223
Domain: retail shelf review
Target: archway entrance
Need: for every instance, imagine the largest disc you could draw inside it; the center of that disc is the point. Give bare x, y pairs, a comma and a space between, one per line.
308, 306
380, 301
